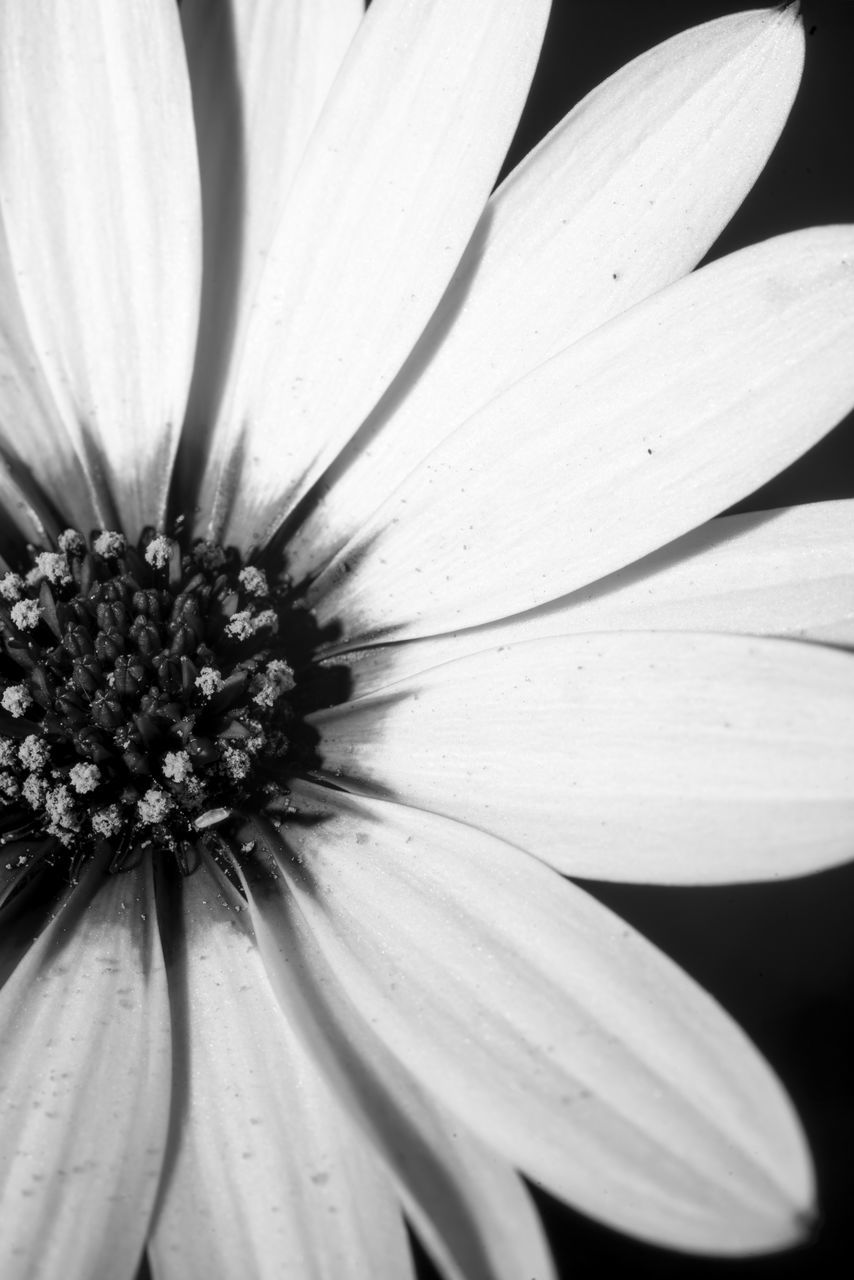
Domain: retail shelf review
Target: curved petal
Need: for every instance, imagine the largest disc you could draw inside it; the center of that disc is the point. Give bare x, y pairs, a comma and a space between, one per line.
652, 757
84, 1025
37, 449
788, 572
472, 1212
622, 198
391, 186
260, 72
267, 1178
551, 1028
24, 515
621, 443
100, 208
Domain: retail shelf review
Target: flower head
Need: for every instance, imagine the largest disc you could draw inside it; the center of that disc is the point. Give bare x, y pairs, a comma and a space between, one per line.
359, 579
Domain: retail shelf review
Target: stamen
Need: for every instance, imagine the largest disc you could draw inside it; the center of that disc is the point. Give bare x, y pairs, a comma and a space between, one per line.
147, 695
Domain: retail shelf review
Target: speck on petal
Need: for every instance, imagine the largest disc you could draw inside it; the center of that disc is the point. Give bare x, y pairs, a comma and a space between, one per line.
470, 1209
546, 1024
622, 442
86, 1075
623, 197
268, 1177
788, 572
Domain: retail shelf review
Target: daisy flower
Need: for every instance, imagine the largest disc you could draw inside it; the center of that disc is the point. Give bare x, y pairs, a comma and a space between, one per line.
359, 586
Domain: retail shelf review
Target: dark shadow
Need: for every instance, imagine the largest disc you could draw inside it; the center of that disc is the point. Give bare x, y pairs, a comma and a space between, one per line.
220, 125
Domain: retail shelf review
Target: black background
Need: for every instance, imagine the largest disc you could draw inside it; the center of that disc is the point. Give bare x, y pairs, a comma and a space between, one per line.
779, 957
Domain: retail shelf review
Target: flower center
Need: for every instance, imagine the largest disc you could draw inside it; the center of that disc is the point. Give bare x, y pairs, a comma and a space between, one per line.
148, 696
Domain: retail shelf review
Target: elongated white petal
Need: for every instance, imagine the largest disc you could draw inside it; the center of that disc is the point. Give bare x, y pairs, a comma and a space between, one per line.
652, 757
391, 186
260, 72
84, 1029
556, 1032
100, 207
622, 198
785, 572
268, 1179
38, 452
623, 442
473, 1214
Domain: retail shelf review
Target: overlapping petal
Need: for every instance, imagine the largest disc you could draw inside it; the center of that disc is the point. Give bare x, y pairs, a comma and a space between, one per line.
546, 1024
418, 1005
38, 452
472, 1212
260, 72
390, 188
622, 198
626, 440
84, 1029
23, 511
101, 219
784, 572
653, 757
266, 1177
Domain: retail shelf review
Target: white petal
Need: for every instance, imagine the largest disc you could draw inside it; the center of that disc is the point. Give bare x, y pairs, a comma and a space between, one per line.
260, 72
267, 1178
623, 197
788, 572
623, 442
391, 186
100, 204
37, 449
562, 1037
472, 1212
652, 757
84, 1025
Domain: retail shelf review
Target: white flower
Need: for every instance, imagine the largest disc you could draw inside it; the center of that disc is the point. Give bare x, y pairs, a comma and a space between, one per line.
334, 973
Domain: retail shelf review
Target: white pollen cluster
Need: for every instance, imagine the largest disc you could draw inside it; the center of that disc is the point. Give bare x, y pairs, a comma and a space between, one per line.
107, 822
11, 586
109, 544
209, 681
32, 752
16, 699
53, 565
26, 614
236, 763
266, 620
177, 765
158, 551
240, 625
84, 777
7, 751
244, 624
34, 790
276, 679
154, 805
8, 785
254, 581
71, 542
64, 819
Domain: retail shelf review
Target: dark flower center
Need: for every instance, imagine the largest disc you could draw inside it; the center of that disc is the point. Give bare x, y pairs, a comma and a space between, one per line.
149, 697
